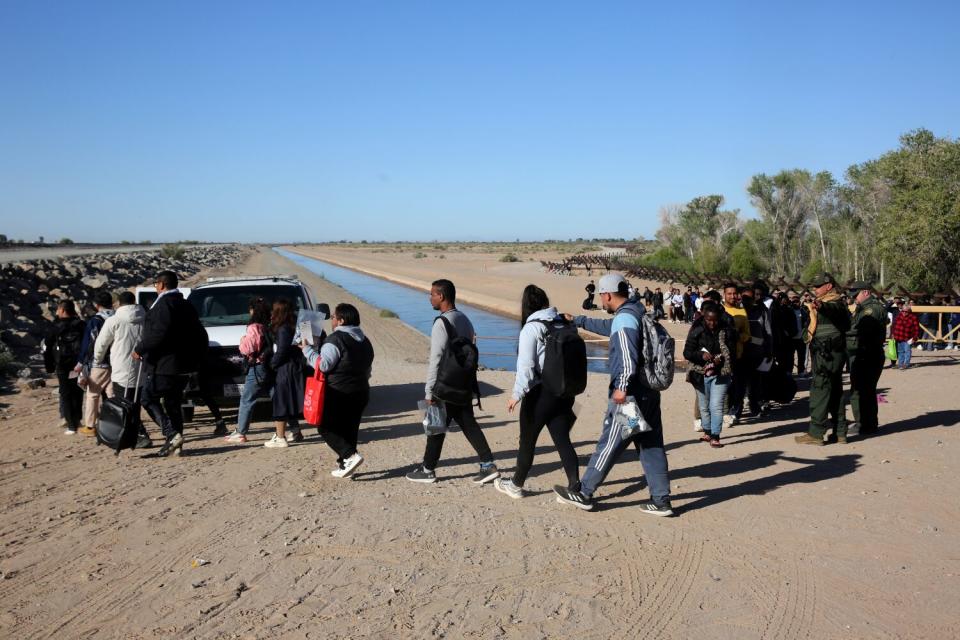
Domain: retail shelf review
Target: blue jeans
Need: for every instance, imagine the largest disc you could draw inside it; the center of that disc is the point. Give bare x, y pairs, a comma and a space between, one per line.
649, 445
251, 389
711, 402
903, 354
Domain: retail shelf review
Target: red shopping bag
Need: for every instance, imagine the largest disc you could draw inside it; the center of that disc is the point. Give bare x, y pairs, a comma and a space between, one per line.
313, 398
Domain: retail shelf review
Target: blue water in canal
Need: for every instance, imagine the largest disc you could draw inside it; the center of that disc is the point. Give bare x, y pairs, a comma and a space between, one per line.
413, 307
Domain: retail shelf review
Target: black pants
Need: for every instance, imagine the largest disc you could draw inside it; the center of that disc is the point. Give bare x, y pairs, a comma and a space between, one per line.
800, 351
71, 399
539, 409
757, 392
341, 420
463, 416
129, 393
162, 398
864, 375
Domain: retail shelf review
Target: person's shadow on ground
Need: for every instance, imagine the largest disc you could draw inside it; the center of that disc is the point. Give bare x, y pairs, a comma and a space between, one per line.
814, 470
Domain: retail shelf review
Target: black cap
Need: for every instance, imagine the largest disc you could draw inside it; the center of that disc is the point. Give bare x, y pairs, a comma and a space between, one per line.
860, 285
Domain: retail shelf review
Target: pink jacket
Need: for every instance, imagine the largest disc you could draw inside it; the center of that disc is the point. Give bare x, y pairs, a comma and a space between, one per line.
252, 342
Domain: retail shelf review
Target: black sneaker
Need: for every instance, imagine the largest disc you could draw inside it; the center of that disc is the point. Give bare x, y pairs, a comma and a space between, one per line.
486, 474
221, 428
422, 475
144, 441
655, 509
172, 447
577, 499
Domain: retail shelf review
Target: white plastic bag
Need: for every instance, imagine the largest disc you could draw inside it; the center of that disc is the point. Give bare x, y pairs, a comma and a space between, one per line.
630, 420
434, 417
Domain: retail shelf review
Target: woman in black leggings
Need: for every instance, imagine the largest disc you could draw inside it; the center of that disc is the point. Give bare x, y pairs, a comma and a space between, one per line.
538, 408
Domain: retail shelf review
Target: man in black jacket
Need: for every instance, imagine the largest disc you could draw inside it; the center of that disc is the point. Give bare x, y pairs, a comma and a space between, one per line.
172, 345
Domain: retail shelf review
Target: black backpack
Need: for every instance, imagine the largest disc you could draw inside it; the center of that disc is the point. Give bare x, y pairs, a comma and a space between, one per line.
64, 351
564, 372
457, 372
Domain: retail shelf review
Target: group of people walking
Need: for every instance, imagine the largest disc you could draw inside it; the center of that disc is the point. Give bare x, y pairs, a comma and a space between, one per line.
742, 348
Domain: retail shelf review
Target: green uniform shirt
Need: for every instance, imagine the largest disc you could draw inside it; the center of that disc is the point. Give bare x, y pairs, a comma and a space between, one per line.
869, 327
833, 319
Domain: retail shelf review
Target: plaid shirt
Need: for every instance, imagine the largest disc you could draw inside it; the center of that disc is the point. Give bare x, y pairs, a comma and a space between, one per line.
905, 327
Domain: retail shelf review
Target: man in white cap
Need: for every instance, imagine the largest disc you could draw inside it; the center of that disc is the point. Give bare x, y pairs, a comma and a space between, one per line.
625, 348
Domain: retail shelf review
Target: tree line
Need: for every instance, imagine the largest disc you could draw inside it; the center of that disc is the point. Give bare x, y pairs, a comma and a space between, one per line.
894, 219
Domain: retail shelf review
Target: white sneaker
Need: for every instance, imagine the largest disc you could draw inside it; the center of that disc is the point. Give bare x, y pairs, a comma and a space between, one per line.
698, 425
349, 466
275, 443
728, 421
505, 485
70, 432
235, 438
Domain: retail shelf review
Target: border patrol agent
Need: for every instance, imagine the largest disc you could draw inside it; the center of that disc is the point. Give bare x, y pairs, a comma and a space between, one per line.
865, 343
826, 334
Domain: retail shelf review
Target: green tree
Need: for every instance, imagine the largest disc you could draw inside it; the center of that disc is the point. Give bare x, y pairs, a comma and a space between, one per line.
914, 194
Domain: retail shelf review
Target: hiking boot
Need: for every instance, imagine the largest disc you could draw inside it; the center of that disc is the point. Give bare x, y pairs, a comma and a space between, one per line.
172, 447
293, 436
575, 498
87, 431
276, 442
143, 442
221, 428
655, 509
349, 466
486, 474
235, 438
505, 485
806, 438
422, 475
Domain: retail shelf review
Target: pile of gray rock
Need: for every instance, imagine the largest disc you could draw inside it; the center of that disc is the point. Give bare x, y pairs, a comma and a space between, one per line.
30, 290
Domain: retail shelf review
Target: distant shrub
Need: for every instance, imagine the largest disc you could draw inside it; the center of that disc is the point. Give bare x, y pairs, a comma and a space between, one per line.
125, 242
509, 258
172, 252
441, 257
386, 313
65, 241
419, 254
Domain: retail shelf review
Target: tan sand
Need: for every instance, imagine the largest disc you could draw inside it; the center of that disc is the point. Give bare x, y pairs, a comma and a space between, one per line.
773, 540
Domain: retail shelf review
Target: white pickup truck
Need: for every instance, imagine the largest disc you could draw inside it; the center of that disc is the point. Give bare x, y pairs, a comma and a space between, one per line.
223, 306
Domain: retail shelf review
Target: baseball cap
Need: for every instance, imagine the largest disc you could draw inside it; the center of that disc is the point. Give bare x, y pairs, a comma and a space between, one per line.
822, 279
860, 285
611, 283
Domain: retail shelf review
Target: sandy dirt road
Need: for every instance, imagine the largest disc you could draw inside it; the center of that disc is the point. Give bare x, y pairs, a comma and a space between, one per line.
773, 539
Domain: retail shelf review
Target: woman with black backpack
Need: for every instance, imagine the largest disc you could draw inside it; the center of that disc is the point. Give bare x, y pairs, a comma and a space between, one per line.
256, 347
539, 407
287, 366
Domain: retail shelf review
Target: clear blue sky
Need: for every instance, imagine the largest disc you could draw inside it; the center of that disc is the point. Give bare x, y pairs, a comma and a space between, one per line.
449, 120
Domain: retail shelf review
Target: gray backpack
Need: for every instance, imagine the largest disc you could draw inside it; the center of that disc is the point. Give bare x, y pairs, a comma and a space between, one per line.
656, 354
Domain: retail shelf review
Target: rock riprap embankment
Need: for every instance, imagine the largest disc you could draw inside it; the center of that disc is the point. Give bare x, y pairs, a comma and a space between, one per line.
30, 290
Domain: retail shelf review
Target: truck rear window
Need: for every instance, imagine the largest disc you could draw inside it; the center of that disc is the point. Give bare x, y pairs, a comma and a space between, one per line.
221, 306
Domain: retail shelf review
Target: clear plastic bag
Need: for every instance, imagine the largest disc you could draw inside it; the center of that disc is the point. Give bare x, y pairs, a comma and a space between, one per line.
629, 419
433, 417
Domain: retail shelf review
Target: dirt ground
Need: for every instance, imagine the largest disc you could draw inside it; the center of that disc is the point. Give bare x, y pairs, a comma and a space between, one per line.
772, 539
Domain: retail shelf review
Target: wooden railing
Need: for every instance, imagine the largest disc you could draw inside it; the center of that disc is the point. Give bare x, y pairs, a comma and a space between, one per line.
954, 332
